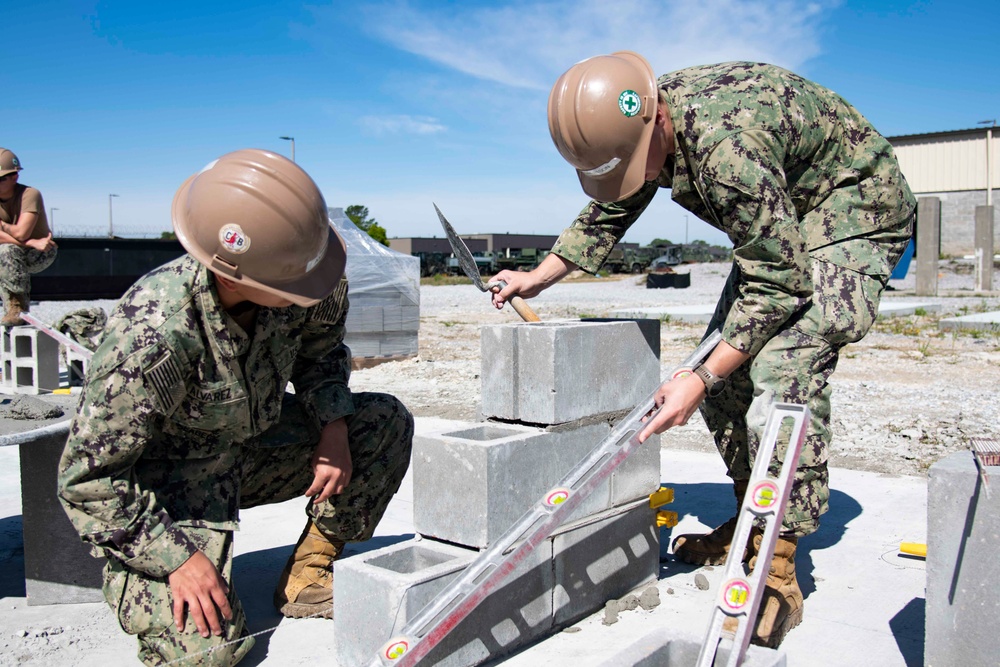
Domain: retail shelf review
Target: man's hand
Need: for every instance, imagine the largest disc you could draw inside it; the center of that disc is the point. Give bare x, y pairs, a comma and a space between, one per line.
331, 462
551, 270
42, 244
198, 585
677, 400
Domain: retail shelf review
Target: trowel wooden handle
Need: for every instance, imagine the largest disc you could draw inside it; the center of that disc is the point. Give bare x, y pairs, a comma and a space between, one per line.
523, 309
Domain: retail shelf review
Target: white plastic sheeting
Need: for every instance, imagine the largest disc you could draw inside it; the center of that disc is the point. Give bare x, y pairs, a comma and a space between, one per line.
384, 294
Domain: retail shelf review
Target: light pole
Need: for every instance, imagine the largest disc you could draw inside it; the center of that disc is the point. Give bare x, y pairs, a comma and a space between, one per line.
685, 230
989, 158
111, 220
52, 220
291, 139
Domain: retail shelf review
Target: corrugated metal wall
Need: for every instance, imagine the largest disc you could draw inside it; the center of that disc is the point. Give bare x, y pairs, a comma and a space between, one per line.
947, 163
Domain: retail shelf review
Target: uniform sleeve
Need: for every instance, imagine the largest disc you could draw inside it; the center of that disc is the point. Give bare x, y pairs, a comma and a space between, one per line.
98, 488
745, 186
322, 370
593, 235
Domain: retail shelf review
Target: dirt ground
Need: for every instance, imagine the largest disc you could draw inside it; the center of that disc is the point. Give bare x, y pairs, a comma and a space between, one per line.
903, 397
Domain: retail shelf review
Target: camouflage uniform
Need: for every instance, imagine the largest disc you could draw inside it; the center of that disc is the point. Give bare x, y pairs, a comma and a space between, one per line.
185, 419
818, 212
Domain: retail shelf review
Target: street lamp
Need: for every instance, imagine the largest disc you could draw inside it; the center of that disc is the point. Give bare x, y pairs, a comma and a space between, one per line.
291, 139
111, 221
989, 158
52, 220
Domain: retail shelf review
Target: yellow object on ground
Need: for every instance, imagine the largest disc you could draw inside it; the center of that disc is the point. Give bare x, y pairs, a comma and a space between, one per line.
913, 548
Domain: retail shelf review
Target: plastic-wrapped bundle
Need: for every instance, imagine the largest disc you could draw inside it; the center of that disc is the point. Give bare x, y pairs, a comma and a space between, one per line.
384, 293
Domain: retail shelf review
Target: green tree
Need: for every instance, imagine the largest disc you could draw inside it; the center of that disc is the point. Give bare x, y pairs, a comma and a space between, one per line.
168, 236
657, 243
359, 216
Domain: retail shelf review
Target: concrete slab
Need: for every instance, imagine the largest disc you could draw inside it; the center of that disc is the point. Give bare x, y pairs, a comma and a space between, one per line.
894, 308
864, 603
977, 321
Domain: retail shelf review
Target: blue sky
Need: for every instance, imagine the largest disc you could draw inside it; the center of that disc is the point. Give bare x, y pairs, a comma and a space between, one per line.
395, 105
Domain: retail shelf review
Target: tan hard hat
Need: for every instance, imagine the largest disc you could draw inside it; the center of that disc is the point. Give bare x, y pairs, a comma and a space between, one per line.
602, 112
257, 218
8, 162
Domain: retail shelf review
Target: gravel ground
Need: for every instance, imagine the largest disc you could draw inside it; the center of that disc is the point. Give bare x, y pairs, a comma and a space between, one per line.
903, 397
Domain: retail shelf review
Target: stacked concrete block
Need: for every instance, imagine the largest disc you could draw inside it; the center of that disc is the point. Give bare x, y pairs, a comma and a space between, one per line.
963, 540
551, 392
556, 372
567, 576
30, 361
472, 482
381, 324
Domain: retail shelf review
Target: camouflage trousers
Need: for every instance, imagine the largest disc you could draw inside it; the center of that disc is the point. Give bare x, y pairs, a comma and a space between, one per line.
795, 367
16, 266
276, 468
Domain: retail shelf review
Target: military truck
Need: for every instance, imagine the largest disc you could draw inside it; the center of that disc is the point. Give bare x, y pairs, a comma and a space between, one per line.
519, 259
630, 260
484, 260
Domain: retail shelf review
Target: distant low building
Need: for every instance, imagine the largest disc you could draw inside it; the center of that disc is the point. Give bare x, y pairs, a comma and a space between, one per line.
960, 168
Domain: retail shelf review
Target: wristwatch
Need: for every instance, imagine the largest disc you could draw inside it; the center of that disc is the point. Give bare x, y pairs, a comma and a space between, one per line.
713, 383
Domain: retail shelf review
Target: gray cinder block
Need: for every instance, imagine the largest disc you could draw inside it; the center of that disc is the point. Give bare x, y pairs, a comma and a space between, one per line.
963, 540
378, 592
472, 483
30, 361
578, 568
556, 372
604, 558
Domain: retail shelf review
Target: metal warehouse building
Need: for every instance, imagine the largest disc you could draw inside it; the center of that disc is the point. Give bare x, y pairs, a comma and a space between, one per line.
960, 168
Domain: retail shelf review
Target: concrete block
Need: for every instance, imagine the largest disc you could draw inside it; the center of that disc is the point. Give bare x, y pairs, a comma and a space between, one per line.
963, 540
76, 365
378, 592
984, 249
472, 483
30, 361
665, 648
928, 245
604, 558
557, 372
58, 567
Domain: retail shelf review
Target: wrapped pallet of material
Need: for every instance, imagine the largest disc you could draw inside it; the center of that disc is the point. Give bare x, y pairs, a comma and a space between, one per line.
384, 294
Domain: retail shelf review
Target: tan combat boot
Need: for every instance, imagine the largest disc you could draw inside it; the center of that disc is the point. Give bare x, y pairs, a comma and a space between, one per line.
711, 548
16, 304
306, 585
781, 608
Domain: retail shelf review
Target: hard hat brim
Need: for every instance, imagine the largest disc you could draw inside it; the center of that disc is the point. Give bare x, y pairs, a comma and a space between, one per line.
306, 291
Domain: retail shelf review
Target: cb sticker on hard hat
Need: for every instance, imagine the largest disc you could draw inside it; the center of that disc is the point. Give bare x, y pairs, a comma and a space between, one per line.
234, 239
764, 496
556, 497
630, 103
736, 594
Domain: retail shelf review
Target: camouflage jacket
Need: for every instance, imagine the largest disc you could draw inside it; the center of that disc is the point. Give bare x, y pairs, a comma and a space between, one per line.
172, 393
783, 166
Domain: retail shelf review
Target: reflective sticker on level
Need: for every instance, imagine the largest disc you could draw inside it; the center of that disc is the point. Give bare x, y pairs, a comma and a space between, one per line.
630, 103
396, 650
765, 495
556, 497
736, 594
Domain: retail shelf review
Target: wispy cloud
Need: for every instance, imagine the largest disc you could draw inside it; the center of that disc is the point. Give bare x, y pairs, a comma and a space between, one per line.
527, 45
400, 124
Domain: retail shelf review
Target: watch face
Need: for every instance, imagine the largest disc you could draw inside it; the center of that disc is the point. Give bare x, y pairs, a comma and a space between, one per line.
716, 387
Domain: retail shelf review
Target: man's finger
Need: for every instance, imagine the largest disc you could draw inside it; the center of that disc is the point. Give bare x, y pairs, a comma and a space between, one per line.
179, 613
198, 616
221, 598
